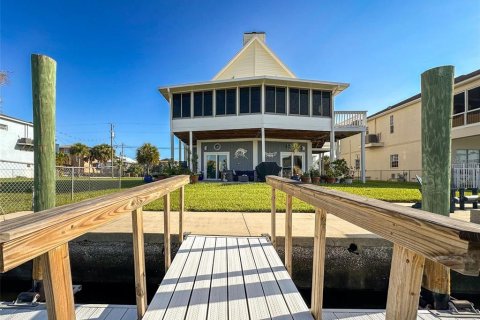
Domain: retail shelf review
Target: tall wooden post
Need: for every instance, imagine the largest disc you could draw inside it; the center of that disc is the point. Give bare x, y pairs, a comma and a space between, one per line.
437, 104
43, 95
53, 266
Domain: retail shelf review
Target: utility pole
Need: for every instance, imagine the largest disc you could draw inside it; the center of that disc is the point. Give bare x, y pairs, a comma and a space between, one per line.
121, 162
112, 134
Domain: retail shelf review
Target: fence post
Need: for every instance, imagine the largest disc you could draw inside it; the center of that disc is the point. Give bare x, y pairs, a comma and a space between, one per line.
139, 260
319, 243
72, 186
273, 220
288, 235
166, 230
437, 104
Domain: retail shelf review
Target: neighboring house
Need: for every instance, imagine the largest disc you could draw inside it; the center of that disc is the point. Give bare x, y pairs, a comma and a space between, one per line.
394, 134
253, 110
16, 147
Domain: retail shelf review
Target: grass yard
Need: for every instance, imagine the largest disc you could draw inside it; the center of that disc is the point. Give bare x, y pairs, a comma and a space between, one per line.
255, 197
251, 197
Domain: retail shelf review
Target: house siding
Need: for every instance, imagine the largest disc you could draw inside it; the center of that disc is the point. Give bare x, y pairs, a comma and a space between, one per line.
239, 163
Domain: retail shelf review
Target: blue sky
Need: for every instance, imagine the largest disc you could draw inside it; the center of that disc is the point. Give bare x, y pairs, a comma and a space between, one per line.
113, 55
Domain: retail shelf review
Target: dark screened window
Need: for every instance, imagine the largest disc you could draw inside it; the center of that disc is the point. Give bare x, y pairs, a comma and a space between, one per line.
244, 100
231, 101
177, 106
316, 103
474, 99
326, 104
459, 103
270, 99
255, 100
207, 103
294, 101
304, 105
198, 104
281, 100
202, 104
220, 102
275, 100
185, 105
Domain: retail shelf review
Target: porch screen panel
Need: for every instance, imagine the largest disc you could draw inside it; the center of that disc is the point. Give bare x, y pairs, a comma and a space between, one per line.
207, 103
281, 100
220, 102
244, 100
186, 105
231, 101
304, 105
177, 106
326, 104
270, 99
316, 103
255, 99
294, 101
198, 104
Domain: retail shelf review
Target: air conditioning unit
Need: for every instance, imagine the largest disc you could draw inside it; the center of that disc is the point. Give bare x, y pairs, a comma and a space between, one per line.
372, 138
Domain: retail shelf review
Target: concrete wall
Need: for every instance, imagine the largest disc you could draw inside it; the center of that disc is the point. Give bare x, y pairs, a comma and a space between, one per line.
405, 140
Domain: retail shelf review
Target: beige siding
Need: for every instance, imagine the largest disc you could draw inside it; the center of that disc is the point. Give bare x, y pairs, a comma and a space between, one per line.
253, 61
405, 141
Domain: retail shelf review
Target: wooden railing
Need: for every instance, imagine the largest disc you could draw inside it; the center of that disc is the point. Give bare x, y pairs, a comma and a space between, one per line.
416, 236
46, 235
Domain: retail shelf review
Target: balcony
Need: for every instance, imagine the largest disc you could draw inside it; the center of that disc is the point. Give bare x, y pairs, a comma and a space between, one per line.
373, 140
350, 120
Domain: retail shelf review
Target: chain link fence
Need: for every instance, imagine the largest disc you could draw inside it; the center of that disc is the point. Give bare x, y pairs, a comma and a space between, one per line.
393, 175
72, 184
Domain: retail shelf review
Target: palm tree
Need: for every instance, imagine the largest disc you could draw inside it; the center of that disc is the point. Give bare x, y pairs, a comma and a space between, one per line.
62, 159
102, 153
148, 156
80, 152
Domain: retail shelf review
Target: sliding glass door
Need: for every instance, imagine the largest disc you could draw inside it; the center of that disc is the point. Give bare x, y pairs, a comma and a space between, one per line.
215, 163
292, 163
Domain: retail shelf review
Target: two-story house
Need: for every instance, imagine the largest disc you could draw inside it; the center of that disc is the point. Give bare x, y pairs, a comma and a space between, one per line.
394, 134
253, 110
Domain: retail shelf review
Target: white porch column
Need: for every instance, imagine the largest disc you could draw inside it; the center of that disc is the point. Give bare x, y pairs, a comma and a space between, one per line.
179, 150
190, 149
172, 146
263, 144
362, 151
332, 144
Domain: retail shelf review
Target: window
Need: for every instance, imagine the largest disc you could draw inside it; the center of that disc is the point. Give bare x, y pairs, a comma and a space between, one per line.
250, 100
357, 164
226, 101
299, 104
181, 105
321, 103
391, 124
394, 161
474, 99
459, 103
202, 104
275, 100
467, 156
3, 127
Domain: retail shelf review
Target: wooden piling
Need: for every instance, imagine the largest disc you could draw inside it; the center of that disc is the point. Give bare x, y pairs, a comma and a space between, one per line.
437, 104
43, 96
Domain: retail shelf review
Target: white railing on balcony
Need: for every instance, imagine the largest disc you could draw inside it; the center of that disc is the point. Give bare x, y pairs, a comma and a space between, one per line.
350, 119
465, 175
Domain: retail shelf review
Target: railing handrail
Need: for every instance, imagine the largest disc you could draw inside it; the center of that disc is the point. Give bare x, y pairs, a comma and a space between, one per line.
350, 112
25, 238
451, 242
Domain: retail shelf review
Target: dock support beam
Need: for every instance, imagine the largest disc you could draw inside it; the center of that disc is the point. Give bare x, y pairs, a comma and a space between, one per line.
437, 104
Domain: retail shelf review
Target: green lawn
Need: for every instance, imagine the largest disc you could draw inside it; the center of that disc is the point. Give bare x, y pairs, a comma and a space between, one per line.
251, 197
255, 197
